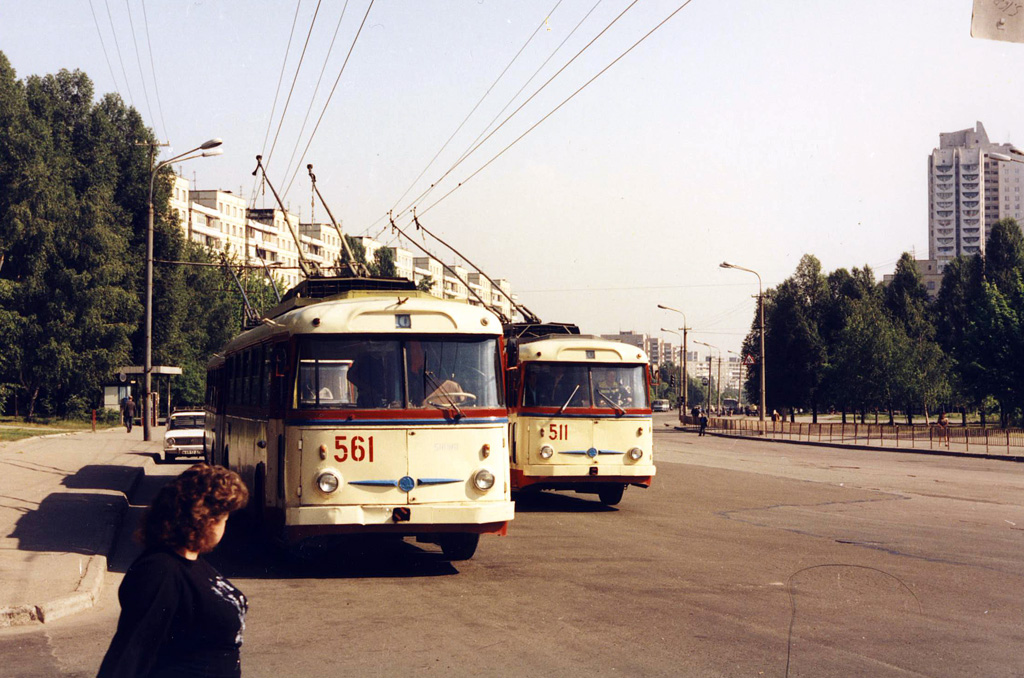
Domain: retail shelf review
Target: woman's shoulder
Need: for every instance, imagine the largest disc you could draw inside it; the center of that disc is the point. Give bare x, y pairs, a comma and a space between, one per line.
158, 561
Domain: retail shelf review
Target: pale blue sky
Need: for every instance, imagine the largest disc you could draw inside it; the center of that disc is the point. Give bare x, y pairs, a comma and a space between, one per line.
747, 131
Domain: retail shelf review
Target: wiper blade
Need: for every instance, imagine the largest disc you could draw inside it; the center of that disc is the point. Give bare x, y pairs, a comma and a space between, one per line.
571, 396
611, 402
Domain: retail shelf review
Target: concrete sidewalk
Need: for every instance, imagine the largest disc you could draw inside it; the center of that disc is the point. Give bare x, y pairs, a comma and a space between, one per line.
62, 499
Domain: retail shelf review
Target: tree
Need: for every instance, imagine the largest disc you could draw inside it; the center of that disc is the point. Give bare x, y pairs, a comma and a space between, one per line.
383, 264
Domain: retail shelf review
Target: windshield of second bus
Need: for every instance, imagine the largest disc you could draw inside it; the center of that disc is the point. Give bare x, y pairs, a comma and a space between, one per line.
551, 384
425, 372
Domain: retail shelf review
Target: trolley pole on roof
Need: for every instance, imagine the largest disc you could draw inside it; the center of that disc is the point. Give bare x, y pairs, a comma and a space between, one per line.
354, 266
309, 268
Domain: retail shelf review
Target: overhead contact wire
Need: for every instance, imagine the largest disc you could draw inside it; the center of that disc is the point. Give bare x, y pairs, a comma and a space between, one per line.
479, 101
329, 97
104, 47
127, 86
451, 169
138, 60
559, 106
277, 93
152, 68
295, 79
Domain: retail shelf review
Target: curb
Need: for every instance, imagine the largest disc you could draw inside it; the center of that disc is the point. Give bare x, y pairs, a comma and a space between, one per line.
90, 585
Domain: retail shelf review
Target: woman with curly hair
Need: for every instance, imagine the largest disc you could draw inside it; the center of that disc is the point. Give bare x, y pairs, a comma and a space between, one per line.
179, 616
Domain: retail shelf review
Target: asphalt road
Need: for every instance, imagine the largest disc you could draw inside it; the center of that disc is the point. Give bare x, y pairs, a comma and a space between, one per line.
743, 559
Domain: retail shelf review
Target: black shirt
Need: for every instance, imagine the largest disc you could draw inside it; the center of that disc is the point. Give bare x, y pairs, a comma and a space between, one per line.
179, 618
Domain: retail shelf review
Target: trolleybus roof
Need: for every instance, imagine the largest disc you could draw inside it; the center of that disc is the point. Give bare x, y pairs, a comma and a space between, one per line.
580, 348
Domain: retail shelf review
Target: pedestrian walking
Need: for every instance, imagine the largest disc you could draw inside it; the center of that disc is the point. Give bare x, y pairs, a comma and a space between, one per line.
129, 413
179, 616
703, 422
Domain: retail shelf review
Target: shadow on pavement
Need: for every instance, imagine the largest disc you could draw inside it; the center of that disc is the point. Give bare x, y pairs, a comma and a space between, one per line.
103, 477
247, 554
558, 502
69, 522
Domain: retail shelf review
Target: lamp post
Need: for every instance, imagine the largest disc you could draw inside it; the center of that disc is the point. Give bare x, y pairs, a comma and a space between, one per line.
718, 381
686, 384
681, 384
760, 313
147, 365
739, 387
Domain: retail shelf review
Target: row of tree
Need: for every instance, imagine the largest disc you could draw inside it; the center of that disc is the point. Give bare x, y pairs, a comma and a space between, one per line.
74, 187
843, 341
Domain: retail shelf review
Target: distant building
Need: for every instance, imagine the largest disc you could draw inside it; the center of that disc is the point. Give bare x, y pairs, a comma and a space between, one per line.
968, 191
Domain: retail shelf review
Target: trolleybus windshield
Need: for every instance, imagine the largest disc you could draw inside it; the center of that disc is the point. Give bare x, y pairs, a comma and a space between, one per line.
427, 372
552, 384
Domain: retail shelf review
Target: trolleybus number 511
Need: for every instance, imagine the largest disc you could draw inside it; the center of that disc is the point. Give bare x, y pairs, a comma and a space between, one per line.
558, 431
360, 448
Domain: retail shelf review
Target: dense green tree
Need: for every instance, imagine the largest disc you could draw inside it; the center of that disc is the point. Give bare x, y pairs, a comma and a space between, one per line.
383, 264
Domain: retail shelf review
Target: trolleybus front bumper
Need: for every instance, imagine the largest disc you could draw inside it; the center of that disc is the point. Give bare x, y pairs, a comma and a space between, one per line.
564, 477
407, 519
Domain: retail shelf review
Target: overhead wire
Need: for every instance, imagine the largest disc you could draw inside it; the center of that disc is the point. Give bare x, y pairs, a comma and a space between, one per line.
152, 67
103, 46
479, 101
312, 98
277, 93
138, 60
559, 106
531, 78
291, 90
329, 97
127, 85
451, 169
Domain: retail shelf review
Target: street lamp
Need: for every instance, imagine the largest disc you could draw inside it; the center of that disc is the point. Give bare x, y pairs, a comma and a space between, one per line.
682, 384
760, 313
147, 365
739, 388
686, 384
718, 381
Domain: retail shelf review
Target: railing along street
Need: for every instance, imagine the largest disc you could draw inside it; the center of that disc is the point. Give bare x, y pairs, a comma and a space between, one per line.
969, 439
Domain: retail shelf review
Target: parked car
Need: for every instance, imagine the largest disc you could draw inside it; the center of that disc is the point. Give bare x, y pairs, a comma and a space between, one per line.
661, 406
184, 435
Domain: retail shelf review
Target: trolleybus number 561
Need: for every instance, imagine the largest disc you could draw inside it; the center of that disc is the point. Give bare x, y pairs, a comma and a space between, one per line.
360, 448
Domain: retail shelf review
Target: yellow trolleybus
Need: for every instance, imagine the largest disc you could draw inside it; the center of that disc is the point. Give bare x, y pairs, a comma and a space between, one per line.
580, 418
353, 411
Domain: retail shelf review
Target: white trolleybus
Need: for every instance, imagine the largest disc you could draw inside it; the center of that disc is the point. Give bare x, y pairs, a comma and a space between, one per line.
353, 411
579, 413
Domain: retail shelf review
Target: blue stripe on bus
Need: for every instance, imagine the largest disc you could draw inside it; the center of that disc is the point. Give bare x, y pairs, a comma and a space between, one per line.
405, 483
396, 422
379, 483
591, 452
436, 481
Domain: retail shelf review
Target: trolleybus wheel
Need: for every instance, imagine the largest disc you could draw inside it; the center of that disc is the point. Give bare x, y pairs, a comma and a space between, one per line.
611, 494
459, 546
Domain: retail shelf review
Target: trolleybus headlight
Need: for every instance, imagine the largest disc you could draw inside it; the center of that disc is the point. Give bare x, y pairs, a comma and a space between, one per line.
546, 451
484, 480
328, 482
636, 453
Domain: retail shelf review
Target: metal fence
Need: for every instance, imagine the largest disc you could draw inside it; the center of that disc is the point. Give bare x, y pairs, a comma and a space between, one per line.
963, 439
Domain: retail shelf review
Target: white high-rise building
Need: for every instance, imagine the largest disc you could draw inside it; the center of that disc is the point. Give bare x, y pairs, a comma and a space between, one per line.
968, 191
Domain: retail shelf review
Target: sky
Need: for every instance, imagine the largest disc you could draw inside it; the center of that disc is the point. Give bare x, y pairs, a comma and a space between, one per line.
753, 132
